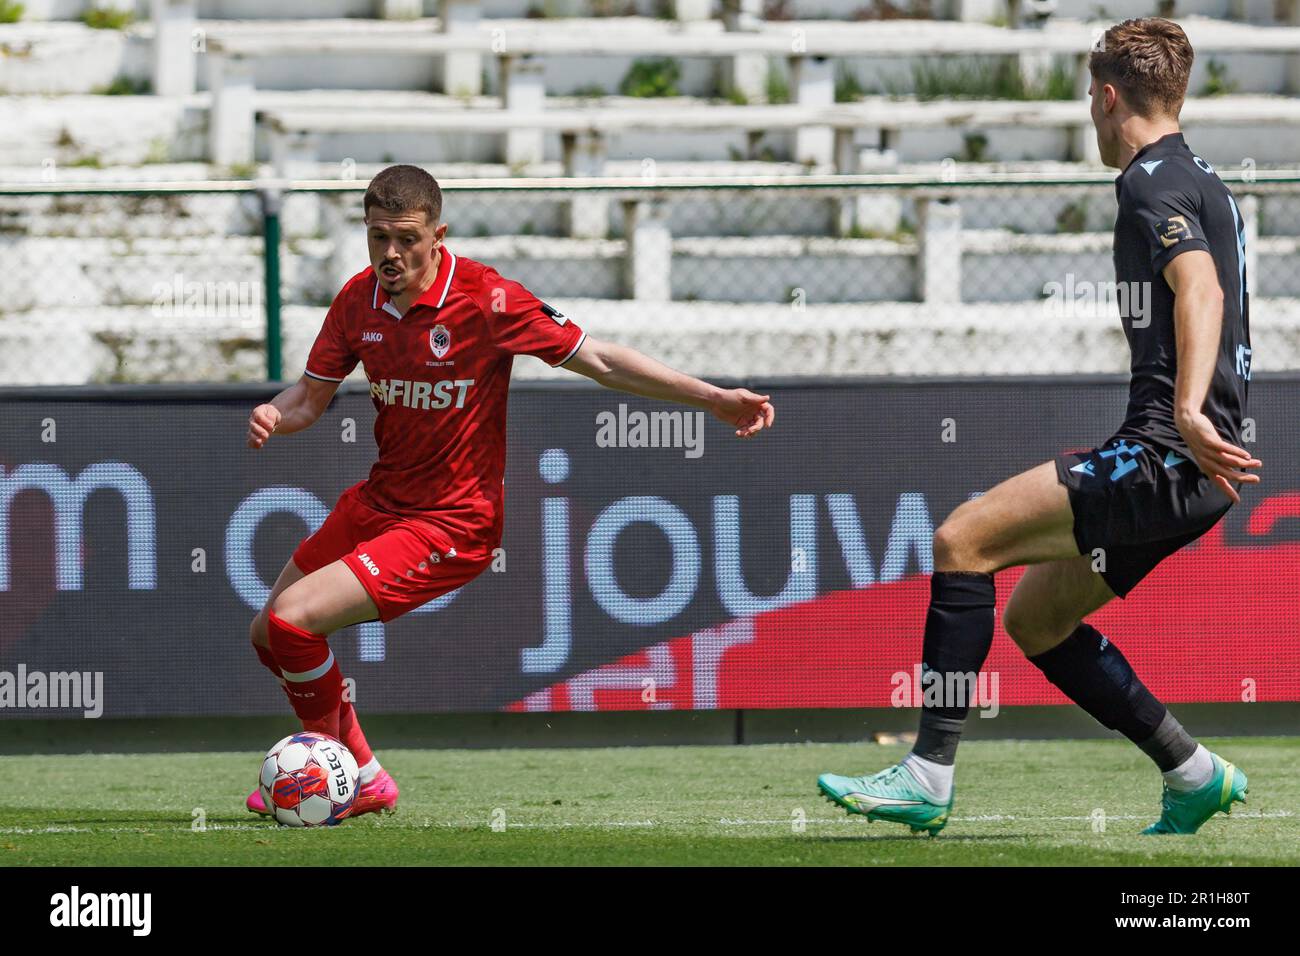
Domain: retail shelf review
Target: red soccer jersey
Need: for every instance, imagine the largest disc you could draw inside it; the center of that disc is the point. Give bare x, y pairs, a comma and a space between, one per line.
439, 377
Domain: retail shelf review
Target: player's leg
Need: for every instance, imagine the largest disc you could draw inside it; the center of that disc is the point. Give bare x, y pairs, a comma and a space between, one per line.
1024, 520
406, 567
1050, 601
376, 786
262, 646
350, 731
257, 634
1044, 616
349, 522
299, 621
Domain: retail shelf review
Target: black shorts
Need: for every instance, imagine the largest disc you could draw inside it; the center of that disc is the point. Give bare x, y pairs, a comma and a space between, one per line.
1138, 504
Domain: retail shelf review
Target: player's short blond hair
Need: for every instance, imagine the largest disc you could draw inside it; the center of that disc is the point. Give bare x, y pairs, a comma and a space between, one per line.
405, 189
1149, 61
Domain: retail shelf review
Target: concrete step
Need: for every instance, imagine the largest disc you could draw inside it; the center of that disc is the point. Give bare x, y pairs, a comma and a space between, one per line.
584, 52
1258, 11
167, 275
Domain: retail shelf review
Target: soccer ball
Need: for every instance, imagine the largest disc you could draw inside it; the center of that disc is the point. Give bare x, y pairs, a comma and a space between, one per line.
309, 780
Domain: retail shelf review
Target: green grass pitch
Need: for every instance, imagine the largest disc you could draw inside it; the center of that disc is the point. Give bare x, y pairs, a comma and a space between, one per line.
1018, 803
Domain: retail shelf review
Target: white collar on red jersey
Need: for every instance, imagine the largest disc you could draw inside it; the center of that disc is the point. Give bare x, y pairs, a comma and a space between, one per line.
431, 296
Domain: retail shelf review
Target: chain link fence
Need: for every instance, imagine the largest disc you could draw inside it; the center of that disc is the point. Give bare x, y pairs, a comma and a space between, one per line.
838, 276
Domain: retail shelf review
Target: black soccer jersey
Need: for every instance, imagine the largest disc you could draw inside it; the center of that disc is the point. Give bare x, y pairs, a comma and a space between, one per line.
1170, 202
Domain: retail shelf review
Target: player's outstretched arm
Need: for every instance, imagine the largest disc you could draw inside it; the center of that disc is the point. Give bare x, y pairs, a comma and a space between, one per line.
625, 369
1198, 325
291, 411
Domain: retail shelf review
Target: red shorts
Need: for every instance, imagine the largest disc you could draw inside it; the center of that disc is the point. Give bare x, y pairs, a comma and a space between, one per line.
401, 562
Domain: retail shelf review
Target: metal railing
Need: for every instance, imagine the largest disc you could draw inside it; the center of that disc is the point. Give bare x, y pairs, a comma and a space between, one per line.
133, 272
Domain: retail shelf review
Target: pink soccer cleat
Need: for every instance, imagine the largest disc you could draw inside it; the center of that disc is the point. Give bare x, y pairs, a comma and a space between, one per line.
256, 804
379, 795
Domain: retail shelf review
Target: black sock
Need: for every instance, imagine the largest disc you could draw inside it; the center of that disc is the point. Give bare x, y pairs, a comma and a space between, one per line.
1096, 676
958, 635
1170, 745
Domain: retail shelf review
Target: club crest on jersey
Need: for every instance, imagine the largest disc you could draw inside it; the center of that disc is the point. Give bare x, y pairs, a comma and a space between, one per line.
439, 341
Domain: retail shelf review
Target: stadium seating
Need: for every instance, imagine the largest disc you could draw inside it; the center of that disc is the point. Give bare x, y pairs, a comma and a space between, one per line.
482, 91
534, 66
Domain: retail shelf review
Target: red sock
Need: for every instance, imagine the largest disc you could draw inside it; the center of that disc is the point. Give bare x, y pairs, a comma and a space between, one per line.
311, 675
268, 661
351, 735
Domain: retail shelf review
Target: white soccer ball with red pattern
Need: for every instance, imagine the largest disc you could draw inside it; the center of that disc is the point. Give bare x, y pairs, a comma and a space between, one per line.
309, 780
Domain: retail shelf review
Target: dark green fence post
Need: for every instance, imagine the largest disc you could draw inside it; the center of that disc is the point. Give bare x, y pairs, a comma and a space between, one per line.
271, 200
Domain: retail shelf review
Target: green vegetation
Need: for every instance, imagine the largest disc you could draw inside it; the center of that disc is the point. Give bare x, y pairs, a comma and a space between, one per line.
107, 18
241, 171
159, 152
123, 85
1073, 217
975, 148
904, 233
737, 97
11, 12
651, 77
848, 88
777, 87
613, 8
1217, 82
983, 78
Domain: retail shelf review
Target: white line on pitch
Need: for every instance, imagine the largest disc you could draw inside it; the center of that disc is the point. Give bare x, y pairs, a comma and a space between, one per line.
607, 824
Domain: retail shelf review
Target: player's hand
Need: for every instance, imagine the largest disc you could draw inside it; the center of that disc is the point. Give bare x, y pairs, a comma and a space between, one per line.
261, 423
748, 412
1222, 461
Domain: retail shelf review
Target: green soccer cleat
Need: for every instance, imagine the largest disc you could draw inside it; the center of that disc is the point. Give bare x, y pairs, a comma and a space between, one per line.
1185, 811
892, 795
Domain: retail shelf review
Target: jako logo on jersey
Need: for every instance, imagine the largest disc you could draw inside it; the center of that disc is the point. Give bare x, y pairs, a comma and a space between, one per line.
399, 391
439, 341
372, 336
370, 565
